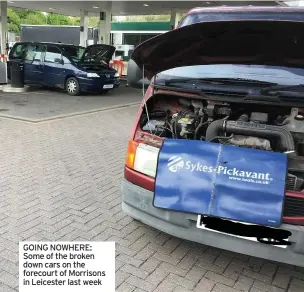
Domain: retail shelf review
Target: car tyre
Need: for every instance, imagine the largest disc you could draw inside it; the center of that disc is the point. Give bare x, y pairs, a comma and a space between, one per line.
72, 86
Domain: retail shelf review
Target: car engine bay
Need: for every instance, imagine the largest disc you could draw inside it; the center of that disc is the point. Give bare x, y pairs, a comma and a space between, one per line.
263, 127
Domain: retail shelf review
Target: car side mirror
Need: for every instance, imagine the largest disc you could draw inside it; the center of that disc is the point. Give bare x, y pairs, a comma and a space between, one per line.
135, 76
58, 61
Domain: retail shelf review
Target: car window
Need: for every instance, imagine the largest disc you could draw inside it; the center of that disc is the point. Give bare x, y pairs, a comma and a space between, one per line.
97, 55
273, 74
51, 54
73, 52
17, 51
33, 52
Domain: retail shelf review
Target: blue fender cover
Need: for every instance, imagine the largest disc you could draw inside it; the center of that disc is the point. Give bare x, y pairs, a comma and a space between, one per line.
228, 182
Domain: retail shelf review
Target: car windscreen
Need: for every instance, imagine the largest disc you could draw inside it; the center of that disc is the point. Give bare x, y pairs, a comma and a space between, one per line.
95, 56
73, 52
222, 16
272, 74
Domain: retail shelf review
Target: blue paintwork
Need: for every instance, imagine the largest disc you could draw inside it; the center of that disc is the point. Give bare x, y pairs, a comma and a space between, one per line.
96, 84
33, 71
55, 74
200, 182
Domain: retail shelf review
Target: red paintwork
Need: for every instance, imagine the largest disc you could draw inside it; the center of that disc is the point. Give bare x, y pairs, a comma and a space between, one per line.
147, 182
294, 220
296, 194
139, 179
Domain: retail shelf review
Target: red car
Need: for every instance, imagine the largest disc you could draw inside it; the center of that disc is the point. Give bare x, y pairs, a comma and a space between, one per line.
242, 65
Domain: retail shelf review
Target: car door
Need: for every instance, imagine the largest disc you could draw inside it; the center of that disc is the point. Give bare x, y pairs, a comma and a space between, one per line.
53, 66
17, 52
33, 67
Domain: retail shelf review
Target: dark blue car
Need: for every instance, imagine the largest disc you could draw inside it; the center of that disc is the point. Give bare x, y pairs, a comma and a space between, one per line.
73, 68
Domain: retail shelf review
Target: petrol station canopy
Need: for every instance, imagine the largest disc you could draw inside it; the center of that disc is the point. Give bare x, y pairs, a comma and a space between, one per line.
74, 8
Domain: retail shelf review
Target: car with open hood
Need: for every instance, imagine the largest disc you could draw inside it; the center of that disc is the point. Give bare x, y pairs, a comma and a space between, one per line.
216, 154
75, 69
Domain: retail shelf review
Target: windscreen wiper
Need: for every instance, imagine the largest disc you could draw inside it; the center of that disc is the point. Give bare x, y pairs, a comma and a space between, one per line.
220, 81
277, 89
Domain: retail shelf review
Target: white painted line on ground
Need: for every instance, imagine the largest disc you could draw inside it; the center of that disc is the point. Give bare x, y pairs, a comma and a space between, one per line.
71, 114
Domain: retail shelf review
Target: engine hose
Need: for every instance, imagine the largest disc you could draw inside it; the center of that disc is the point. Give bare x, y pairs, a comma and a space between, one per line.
214, 129
199, 128
281, 135
222, 139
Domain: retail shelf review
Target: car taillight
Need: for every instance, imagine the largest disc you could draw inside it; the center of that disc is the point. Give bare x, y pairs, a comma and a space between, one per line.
142, 158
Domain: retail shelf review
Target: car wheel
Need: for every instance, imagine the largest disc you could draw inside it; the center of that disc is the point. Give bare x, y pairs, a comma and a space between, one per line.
72, 86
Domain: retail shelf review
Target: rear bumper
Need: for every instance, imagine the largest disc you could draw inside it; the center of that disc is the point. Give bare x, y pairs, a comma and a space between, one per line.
96, 84
137, 202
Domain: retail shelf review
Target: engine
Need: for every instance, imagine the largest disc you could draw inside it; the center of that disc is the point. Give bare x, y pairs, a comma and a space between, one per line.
240, 125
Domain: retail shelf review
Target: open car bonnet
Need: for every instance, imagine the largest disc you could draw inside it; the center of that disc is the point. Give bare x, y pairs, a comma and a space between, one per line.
259, 42
98, 54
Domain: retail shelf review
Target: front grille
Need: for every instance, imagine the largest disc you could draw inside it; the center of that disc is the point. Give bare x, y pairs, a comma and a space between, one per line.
293, 207
291, 182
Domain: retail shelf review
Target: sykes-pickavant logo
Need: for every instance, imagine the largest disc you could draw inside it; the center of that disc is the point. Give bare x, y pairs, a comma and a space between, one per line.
177, 163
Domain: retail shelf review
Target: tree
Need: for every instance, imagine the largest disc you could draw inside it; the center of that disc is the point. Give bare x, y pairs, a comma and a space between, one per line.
23, 13
93, 21
14, 25
30, 16
34, 18
25, 16
59, 19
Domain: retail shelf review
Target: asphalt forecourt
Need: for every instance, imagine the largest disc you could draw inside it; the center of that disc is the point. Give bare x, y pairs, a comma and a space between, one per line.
39, 105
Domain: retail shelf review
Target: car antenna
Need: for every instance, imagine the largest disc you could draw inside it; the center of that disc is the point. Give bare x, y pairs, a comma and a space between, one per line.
145, 103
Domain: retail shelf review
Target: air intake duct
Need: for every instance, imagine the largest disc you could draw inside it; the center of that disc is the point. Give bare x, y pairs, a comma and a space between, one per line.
281, 137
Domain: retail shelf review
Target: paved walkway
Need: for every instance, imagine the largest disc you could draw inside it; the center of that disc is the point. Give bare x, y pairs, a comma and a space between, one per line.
60, 180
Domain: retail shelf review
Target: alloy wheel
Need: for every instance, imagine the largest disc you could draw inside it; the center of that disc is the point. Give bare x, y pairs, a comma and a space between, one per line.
72, 86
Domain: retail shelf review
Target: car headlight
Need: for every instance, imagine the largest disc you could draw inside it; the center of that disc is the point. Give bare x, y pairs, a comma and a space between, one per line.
116, 75
90, 75
142, 158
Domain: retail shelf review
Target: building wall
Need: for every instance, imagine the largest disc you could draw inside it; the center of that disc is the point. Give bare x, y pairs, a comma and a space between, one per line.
140, 26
